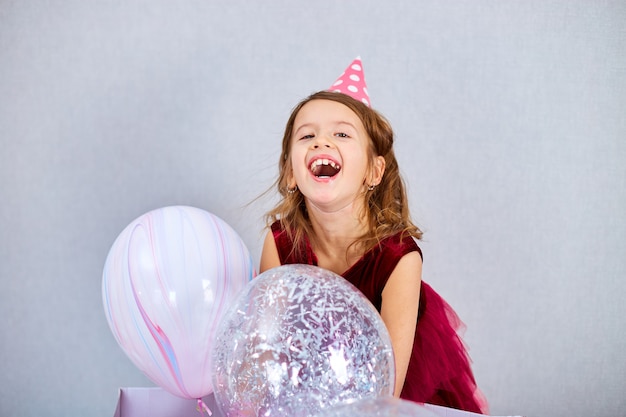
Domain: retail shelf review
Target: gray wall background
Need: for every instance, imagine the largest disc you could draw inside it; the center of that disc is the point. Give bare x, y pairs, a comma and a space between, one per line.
511, 135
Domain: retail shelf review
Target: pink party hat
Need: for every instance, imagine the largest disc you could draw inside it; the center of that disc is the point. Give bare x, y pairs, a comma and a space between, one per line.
352, 82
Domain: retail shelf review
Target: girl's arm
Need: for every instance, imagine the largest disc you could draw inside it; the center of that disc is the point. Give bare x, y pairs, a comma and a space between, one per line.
399, 311
269, 255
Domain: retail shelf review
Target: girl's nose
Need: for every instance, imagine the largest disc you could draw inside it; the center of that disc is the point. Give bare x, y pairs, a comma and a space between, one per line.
321, 141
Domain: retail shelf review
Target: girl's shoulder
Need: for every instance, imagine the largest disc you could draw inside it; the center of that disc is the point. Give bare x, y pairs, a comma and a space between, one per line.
276, 227
399, 244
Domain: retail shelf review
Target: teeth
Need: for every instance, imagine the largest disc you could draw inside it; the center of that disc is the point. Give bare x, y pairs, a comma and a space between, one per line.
319, 162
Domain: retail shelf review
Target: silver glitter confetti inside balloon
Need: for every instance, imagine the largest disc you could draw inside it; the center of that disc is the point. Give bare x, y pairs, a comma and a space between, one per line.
385, 406
297, 340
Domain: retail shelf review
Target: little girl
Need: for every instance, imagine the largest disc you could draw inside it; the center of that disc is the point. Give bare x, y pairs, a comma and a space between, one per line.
344, 208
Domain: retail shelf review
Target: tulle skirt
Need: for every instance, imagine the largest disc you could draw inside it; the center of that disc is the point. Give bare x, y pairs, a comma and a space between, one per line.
439, 370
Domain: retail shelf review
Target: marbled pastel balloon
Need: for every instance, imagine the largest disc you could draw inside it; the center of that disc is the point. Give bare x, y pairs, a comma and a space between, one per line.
167, 281
384, 406
297, 340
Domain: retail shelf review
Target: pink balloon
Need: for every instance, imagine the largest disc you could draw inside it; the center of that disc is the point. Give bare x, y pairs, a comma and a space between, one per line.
167, 281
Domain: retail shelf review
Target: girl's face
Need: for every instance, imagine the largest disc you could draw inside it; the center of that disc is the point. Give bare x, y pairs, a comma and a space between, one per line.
330, 156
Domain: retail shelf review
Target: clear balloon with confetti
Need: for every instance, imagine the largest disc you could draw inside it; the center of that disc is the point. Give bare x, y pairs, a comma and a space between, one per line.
167, 281
297, 340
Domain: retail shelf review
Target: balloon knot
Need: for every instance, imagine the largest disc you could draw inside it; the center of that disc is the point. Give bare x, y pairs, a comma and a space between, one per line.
202, 407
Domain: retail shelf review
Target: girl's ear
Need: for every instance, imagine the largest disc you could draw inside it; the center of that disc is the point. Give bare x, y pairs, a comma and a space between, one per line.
377, 171
291, 179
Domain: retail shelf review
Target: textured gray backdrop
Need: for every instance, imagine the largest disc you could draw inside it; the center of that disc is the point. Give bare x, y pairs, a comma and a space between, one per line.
511, 134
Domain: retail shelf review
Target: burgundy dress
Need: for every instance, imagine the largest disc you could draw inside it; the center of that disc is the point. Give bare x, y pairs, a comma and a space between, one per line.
439, 369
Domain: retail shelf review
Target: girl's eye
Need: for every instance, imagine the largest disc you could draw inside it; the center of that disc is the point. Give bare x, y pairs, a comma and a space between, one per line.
311, 136
342, 135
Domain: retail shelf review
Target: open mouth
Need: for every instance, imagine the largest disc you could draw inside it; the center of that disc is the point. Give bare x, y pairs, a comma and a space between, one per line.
324, 168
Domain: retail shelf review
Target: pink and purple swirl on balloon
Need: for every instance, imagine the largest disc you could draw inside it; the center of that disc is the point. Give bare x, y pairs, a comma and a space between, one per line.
167, 281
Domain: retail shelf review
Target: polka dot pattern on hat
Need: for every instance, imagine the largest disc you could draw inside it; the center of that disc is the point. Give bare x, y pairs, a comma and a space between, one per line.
352, 82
